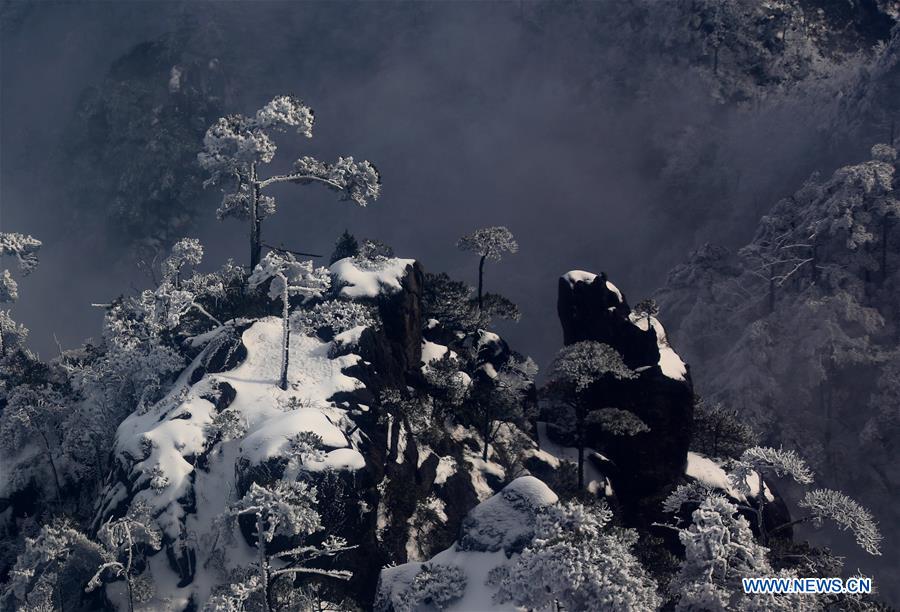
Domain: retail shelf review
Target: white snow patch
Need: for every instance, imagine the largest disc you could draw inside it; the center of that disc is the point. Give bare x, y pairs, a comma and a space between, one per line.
361, 282
171, 434
271, 438
431, 351
489, 369
711, 474
349, 337
615, 290
593, 478
348, 459
486, 337
579, 276
669, 361
446, 468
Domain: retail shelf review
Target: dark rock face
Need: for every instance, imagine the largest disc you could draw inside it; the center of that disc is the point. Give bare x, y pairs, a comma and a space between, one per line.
590, 311
649, 464
394, 476
395, 350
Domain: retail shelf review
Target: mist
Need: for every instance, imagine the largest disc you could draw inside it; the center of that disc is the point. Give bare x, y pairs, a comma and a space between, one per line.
535, 117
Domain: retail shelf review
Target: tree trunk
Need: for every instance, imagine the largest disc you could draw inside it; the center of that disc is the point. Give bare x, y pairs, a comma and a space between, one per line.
130, 593
580, 418
285, 335
480, 280
486, 434
815, 262
52, 467
580, 464
261, 559
760, 513
884, 240
255, 222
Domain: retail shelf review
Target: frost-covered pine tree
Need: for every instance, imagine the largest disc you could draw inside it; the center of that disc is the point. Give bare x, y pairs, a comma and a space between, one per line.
720, 550
332, 317
237, 145
757, 461
24, 249
35, 416
285, 509
575, 370
434, 586
846, 513
289, 277
488, 243
52, 569
747, 477
576, 560
124, 541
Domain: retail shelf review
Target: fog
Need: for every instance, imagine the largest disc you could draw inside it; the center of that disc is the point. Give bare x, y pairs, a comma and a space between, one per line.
475, 114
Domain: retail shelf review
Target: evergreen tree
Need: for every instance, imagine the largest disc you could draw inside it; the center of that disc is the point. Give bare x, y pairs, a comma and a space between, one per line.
346, 246
578, 561
236, 146
283, 509
124, 542
576, 370
289, 277
24, 249
488, 243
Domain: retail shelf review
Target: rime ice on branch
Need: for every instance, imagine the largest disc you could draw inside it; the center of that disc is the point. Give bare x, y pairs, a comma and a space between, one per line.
235, 146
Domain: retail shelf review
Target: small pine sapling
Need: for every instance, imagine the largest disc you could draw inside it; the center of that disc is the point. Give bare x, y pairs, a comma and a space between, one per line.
488, 243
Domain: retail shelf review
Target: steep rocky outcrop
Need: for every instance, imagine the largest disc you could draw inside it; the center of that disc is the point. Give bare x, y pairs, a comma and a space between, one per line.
650, 464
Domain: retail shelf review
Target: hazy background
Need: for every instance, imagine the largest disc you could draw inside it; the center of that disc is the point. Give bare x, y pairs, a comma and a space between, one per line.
550, 119
596, 138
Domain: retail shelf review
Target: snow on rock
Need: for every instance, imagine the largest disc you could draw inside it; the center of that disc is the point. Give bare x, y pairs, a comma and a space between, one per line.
710, 473
615, 290
578, 276
506, 521
669, 361
270, 439
431, 351
594, 480
369, 280
161, 446
492, 536
349, 338
446, 468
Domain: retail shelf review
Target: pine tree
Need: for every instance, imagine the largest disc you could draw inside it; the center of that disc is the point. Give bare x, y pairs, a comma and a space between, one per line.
720, 432
289, 277
237, 145
285, 509
488, 243
719, 551
346, 246
576, 560
51, 571
24, 249
576, 369
435, 585
36, 413
124, 541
